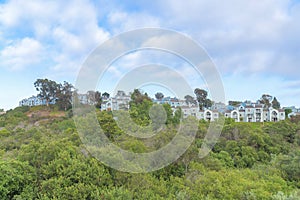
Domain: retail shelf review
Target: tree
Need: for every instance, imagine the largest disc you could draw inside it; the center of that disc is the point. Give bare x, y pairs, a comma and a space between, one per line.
137, 97
266, 100
94, 98
98, 99
64, 95
16, 180
90, 95
202, 99
189, 99
275, 103
159, 95
105, 95
47, 88
287, 112
208, 103
234, 103
177, 116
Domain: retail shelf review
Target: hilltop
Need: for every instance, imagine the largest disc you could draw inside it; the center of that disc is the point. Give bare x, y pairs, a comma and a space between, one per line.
47, 160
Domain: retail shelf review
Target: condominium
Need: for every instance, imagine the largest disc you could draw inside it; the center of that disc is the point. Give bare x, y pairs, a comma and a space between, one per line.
35, 101
255, 113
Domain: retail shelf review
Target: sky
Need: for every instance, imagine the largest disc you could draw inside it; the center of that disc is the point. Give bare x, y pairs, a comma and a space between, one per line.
255, 45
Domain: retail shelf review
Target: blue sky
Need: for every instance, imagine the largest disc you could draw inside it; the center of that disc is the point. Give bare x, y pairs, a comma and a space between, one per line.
254, 45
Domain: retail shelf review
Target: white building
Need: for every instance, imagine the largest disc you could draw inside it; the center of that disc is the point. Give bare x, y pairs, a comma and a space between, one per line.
119, 102
173, 102
207, 115
255, 113
220, 107
274, 115
188, 111
35, 101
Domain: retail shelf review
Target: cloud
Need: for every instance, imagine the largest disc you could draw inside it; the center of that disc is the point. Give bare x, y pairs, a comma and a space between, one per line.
69, 30
24, 53
242, 36
121, 21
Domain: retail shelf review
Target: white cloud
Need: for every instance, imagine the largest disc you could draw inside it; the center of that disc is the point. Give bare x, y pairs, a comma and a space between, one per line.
243, 36
114, 71
68, 29
21, 54
121, 21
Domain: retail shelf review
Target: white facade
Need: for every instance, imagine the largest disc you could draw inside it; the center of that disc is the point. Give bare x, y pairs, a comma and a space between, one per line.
255, 113
220, 107
34, 101
246, 112
207, 115
173, 102
235, 114
275, 115
119, 102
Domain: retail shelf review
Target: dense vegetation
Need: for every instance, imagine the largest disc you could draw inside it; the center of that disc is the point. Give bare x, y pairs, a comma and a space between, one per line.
42, 157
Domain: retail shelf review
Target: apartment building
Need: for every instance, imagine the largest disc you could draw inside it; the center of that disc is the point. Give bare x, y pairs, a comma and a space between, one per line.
35, 101
118, 102
255, 113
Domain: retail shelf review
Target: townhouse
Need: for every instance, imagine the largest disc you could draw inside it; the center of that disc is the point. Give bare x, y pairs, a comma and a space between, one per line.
255, 113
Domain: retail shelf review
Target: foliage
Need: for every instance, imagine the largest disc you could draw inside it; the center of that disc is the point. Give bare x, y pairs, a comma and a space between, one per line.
94, 98
189, 99
234, 103
51, 91
159, 95
105, 95
64, 95
287, 112
268, 100
45, 159
47, 89
202, 99
275, 103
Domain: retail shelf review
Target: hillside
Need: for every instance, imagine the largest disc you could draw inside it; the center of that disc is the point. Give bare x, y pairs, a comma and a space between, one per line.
42, 157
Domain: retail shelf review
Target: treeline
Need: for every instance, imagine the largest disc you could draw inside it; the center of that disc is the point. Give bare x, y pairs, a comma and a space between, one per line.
62, 94
266, 99
45, 159
51, 91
